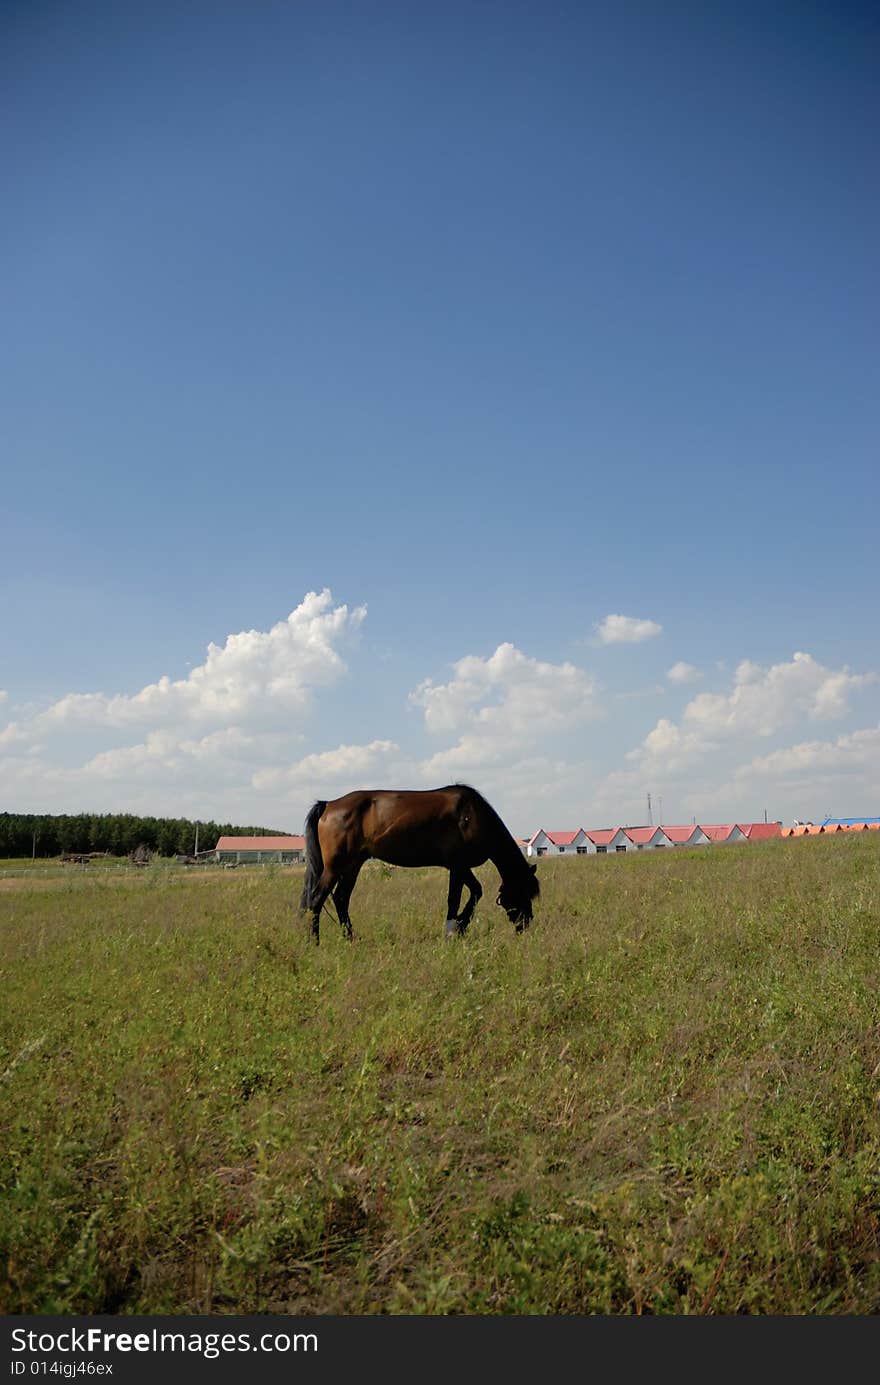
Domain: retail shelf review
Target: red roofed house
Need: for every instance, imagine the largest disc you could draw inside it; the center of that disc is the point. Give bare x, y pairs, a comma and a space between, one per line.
261, 850
722, 835
647, 838
686, 836
553, 843
761, 831
607, 839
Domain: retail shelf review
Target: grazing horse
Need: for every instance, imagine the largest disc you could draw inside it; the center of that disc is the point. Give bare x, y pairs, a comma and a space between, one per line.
453, 827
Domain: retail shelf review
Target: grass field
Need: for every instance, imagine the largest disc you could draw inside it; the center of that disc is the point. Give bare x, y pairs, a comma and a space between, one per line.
661, 1099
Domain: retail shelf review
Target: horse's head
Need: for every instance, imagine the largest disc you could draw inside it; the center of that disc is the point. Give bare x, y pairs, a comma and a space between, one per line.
515, 898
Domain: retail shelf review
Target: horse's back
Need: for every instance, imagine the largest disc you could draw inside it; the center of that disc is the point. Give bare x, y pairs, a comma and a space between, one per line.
404, 826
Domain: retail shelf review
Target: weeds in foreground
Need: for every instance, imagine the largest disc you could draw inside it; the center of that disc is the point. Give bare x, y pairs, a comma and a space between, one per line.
662, 1099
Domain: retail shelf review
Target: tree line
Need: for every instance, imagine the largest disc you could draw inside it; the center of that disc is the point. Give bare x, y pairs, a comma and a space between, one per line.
32, 834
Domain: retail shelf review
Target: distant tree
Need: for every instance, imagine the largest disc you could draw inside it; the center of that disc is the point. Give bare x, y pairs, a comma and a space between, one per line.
118, 833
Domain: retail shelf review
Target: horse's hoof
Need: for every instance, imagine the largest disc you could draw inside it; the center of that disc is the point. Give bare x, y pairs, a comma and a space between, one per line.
452, 928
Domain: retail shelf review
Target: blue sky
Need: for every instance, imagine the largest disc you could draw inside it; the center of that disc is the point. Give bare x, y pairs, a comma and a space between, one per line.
481, 323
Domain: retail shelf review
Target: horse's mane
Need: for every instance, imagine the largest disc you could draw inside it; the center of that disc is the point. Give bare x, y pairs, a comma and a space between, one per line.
491, 813
498, 822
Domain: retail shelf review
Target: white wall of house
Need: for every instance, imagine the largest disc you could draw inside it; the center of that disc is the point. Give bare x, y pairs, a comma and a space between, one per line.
540, 845
620, 841
583, 845
657, 838
697, 838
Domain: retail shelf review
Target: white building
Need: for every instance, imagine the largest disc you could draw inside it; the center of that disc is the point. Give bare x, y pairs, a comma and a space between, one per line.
724, 833
556, 843
607, 839
647, 838
686, 836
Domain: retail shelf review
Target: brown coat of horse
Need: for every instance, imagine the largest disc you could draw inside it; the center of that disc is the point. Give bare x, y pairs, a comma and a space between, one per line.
452, 827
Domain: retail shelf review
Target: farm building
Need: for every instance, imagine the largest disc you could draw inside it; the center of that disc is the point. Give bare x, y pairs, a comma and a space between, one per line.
555, 843
724, 833
686, 836
579, 843
647, 838
603, 840
607, 839
599, 842
857, 823
811, 829
761, 831
240, 851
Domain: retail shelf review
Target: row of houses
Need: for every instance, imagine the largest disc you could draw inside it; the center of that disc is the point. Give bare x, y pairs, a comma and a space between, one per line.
809, 829
603, 840
600, 841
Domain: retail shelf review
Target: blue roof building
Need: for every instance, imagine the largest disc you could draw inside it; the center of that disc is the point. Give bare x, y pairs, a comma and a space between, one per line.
847, 822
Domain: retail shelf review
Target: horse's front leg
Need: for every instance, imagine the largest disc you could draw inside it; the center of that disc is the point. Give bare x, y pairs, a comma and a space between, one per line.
453, 899
476, 894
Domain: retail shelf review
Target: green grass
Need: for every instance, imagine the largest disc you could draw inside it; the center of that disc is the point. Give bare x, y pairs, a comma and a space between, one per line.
661, 1099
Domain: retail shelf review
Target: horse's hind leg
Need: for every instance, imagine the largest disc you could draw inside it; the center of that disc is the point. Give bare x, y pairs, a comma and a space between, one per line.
324, 888
342, 895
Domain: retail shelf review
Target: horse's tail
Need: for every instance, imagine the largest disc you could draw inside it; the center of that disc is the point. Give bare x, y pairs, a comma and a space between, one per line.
314, 859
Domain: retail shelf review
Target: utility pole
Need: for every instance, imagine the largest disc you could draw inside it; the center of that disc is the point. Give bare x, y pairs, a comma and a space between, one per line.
196, 847
650, 819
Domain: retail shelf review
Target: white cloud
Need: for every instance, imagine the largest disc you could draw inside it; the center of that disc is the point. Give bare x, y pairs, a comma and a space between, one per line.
327, 767
159, 752
163, 753
683, 673
254, 673
200, 739
857, 753
765, 700
13, 733
762, 702
626, 630
669, 746
501, 706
